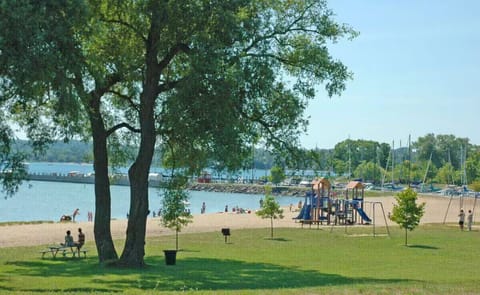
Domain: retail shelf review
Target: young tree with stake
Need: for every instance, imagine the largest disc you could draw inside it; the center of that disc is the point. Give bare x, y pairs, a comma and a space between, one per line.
270, 209
406, 212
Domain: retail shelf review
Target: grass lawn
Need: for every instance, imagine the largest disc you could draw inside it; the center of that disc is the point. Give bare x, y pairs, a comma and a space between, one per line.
439, 260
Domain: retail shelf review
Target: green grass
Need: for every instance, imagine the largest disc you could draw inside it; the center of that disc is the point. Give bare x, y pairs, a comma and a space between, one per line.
439, 260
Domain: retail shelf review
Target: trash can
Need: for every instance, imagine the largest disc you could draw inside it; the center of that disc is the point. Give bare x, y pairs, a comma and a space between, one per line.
226, 233
170, 257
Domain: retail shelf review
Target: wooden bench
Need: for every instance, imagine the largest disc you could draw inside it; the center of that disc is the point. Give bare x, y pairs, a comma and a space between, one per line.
74, 252
43, 252
64, 251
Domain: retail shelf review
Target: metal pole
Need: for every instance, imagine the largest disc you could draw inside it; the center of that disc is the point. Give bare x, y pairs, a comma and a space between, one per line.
474, 204
385, 218
445, 218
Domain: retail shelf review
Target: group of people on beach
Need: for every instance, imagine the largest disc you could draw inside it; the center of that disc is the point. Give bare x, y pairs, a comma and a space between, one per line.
461, 219
75, 213
69, 242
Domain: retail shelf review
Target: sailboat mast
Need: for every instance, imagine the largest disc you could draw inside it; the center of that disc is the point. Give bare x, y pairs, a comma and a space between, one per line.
393, 160
409, 159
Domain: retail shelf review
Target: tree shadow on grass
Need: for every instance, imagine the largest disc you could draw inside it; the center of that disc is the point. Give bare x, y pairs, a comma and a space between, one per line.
423, 247
192, 274
277, 239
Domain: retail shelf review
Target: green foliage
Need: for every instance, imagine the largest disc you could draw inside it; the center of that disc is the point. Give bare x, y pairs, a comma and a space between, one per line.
472, 165
175, 213
270, 209
475, 186
277, 174
369, 172
358, 151
446, 174
442, 149
406, 213
12, 167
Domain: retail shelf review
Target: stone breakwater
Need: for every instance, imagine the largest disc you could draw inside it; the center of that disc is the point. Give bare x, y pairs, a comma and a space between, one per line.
209, 187
294, 191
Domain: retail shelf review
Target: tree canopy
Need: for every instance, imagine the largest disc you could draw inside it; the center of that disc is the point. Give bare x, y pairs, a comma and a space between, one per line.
208, 79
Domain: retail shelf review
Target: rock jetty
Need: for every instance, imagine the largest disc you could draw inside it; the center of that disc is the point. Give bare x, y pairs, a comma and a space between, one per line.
248, 189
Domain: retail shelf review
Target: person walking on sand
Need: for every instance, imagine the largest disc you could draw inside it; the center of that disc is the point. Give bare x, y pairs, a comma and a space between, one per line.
75, 213
469, 220
202, 210
461, 219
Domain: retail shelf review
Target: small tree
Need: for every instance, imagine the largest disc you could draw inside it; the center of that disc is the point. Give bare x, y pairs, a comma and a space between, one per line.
270, 209
406, 212
475, 186
277, 175
174, 206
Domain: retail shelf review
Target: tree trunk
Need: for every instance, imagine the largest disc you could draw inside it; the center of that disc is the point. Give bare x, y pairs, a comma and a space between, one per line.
134, 250
406, 237
176, 239
103, 236
271, 228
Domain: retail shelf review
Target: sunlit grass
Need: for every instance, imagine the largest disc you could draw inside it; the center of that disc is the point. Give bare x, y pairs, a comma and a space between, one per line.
439, 260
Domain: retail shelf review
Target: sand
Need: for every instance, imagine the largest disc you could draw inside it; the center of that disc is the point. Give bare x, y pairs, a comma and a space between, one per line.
53, 233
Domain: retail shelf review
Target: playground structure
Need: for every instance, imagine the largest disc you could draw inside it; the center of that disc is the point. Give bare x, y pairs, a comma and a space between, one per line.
461, 198
346, 207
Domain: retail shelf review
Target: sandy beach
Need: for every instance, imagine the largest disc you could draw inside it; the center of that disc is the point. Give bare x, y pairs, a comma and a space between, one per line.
52, 233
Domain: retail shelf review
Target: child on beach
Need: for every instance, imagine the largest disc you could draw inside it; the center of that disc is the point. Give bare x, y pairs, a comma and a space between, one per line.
469, 220
461, 219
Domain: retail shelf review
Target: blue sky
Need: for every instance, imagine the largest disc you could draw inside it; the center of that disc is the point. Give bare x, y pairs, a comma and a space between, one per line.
416, 68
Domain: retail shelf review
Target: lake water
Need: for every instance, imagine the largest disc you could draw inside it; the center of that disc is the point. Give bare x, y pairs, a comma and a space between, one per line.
38, 200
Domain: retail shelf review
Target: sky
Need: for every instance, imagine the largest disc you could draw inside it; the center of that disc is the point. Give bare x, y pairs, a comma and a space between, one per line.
416, 67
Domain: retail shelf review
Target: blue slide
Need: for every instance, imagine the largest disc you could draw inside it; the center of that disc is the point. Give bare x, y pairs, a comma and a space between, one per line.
304, 213
363, 215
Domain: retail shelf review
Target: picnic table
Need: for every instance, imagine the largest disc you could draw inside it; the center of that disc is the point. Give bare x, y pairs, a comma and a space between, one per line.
64, 250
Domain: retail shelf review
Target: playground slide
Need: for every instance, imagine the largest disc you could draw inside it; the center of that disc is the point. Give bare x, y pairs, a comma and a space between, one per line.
304, 213
363, 215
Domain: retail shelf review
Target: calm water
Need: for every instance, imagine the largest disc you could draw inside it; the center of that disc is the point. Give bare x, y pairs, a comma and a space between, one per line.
50, 200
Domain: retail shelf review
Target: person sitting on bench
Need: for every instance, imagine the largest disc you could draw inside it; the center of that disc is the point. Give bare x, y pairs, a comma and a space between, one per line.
68, 240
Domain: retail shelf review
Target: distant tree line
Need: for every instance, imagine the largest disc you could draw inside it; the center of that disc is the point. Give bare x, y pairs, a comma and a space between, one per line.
69, 152
431, 159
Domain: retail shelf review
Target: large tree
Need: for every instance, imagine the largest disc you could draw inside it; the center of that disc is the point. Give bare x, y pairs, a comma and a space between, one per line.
210, 79
12, 168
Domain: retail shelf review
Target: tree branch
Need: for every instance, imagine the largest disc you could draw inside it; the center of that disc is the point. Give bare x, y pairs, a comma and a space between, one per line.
180, 47
122, 125
110, 81
289, 28
125, 97
168, 85
267, 127
125, 24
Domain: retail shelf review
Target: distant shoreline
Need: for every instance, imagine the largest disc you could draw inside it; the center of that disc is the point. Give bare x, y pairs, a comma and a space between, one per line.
240, 188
